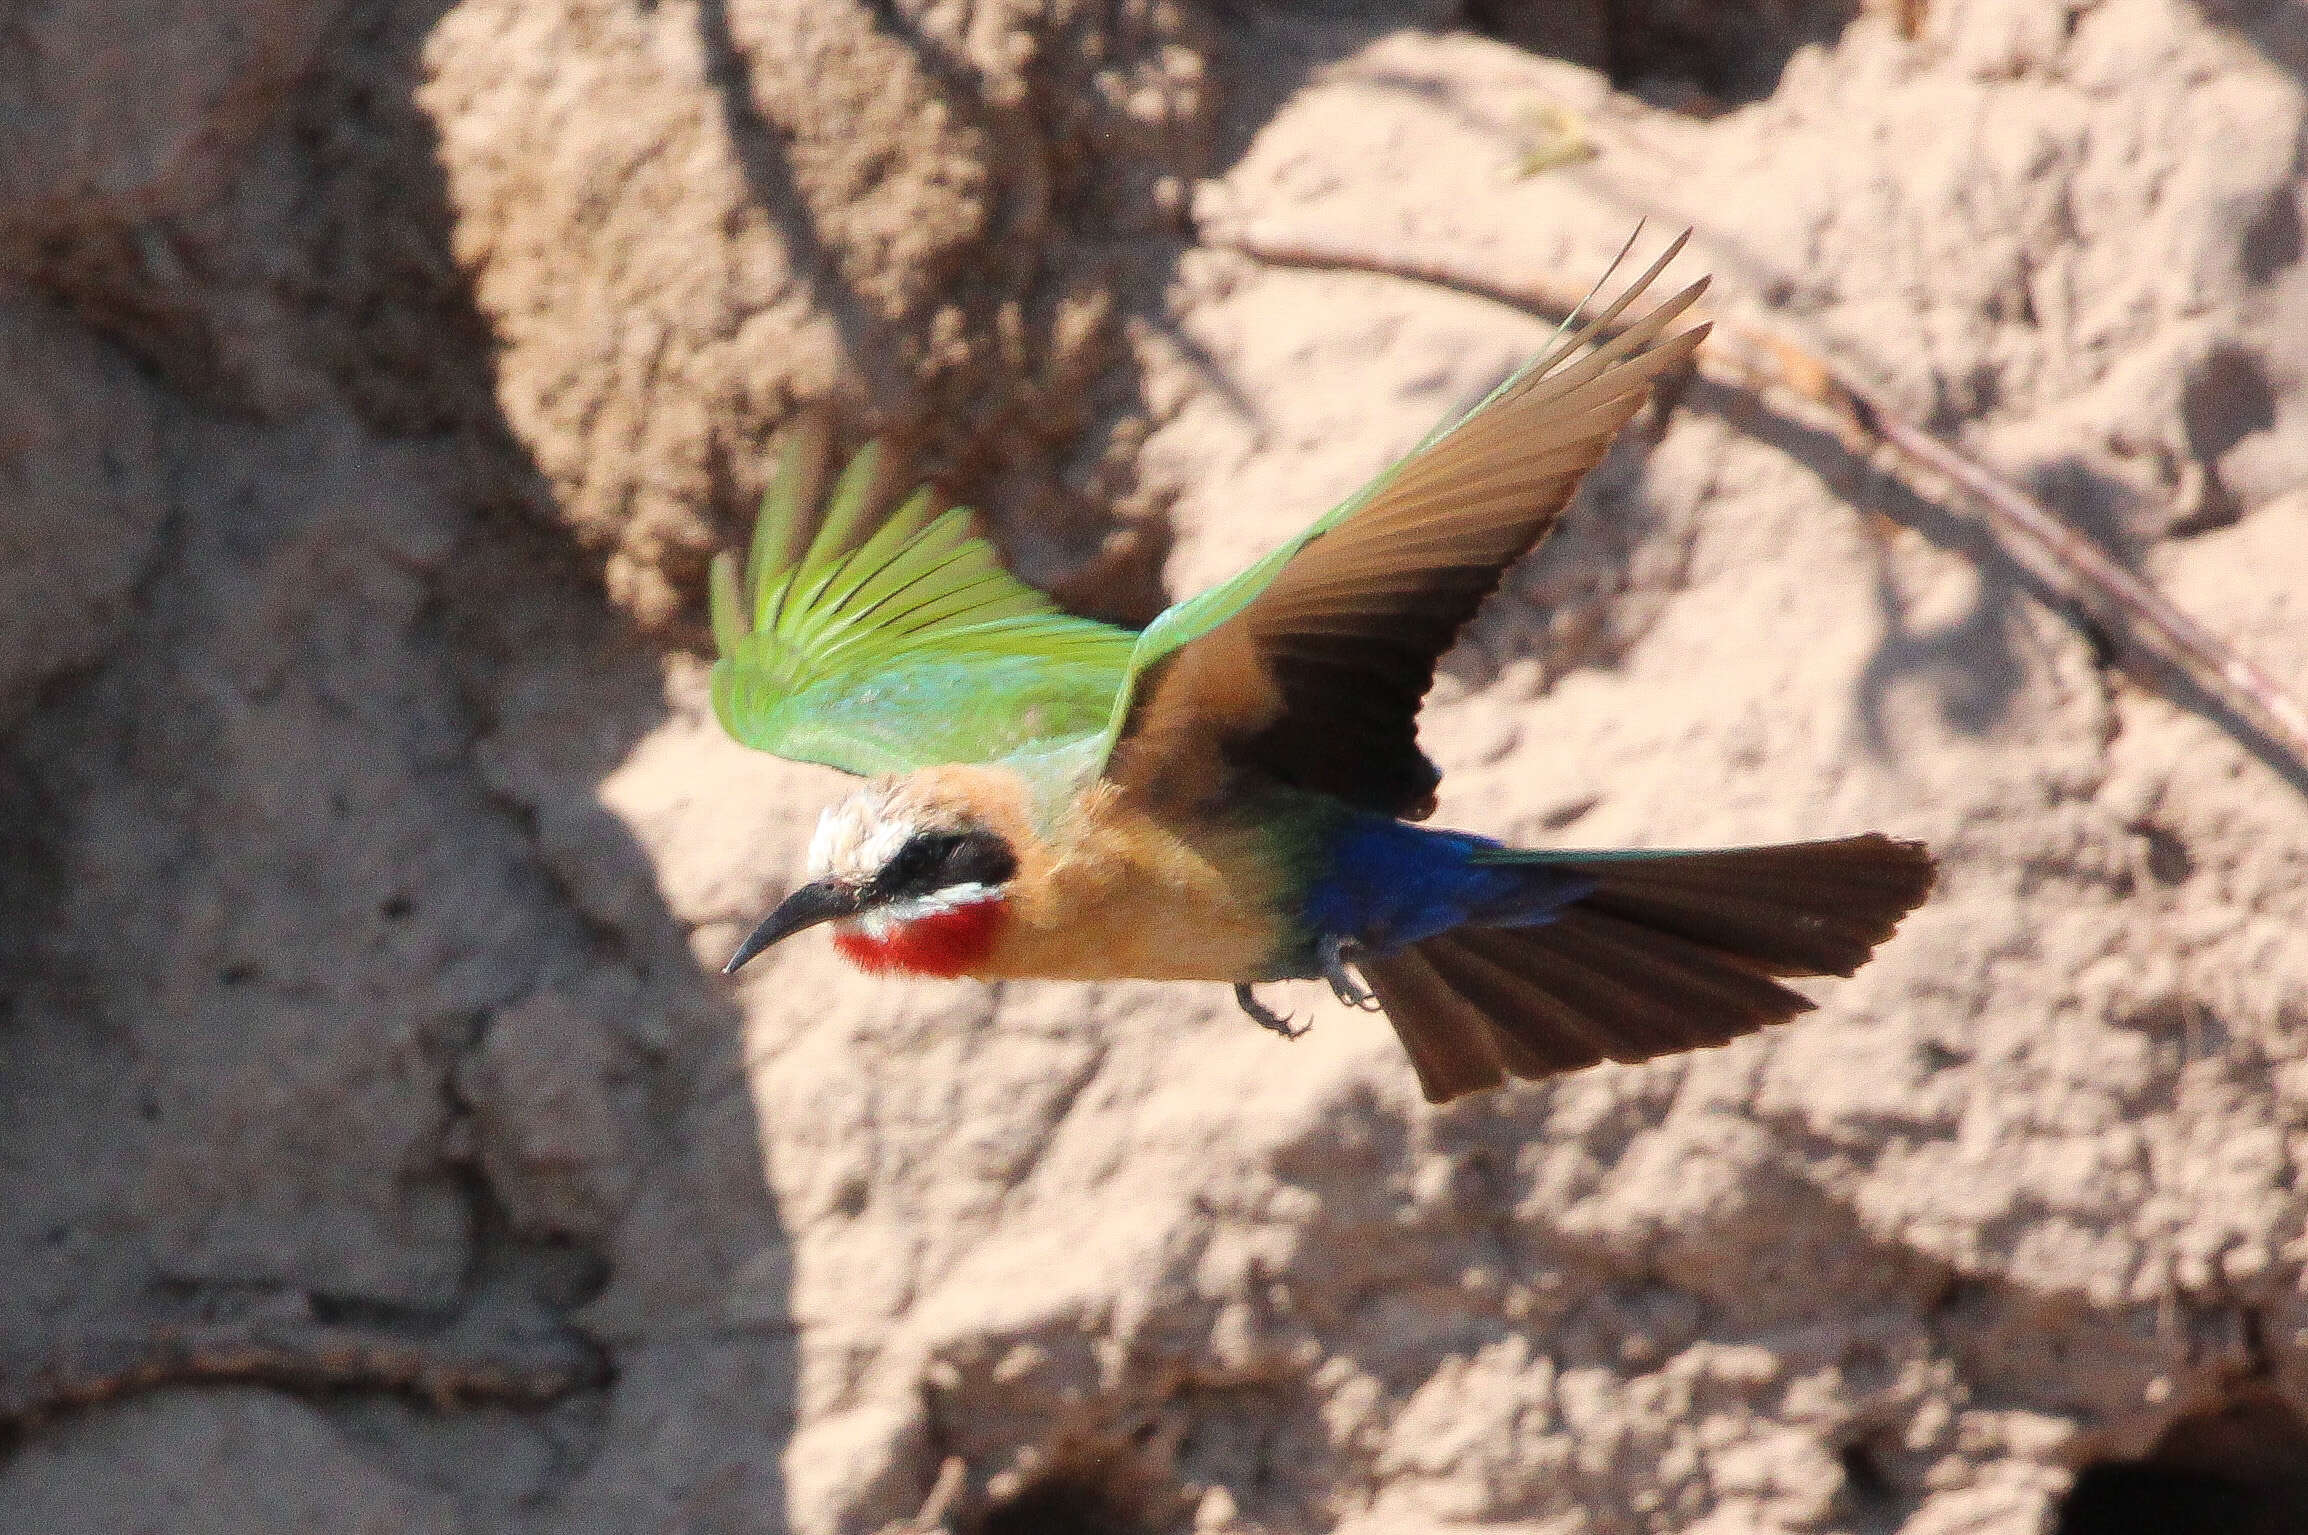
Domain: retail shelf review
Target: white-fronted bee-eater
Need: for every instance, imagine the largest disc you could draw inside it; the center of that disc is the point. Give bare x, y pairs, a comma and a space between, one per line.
1231, 793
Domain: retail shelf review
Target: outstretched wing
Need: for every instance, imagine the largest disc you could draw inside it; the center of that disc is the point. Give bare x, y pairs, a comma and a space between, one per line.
898, 647
1308, 668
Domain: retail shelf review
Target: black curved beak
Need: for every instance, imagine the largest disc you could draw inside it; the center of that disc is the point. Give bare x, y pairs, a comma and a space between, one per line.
822, 901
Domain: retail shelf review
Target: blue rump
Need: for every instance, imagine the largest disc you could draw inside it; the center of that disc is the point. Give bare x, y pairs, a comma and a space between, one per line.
1388, 883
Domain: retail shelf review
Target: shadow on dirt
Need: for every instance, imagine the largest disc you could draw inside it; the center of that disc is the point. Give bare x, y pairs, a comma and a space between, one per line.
349, 1092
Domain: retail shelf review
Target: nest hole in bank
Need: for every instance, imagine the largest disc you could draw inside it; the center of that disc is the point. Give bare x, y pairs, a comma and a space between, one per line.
2240, 1468
1695, 55
1092, 1485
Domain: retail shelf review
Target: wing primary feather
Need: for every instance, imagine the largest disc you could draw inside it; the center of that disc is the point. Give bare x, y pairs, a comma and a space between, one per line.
777, 531
923, 558
1563, 388
1604, 321
928, 600
861, 564
932, 559
1607, 353
836, 531
770, 615
725, 604
1566, 339
846, 507
1626, 249
921, 598
963, 603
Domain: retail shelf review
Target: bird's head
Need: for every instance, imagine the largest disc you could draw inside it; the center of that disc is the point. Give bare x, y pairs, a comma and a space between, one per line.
912, 872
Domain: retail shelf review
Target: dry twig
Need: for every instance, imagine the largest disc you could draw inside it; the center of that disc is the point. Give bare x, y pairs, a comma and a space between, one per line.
1750, 358
302, 1356
938, 1511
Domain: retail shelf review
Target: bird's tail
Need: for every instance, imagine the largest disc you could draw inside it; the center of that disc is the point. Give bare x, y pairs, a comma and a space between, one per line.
1670, 952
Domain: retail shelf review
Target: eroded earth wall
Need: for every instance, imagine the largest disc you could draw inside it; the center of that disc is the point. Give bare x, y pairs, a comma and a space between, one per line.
380, 1151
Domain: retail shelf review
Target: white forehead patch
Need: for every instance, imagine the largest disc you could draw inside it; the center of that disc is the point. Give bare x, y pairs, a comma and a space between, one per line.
857, 837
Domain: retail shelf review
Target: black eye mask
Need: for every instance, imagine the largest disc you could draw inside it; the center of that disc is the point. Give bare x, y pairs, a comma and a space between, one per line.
932, 861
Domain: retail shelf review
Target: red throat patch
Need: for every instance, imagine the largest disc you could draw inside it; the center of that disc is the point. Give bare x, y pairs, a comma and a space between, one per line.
944, 944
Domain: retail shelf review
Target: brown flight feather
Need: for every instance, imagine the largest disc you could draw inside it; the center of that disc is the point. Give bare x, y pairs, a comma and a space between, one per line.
1317, 682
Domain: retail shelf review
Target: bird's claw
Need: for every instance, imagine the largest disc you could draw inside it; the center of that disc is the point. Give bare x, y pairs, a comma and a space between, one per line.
1266, 1017
1343, 984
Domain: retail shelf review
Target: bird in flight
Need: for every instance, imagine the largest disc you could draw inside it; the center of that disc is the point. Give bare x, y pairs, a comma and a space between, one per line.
1231, 794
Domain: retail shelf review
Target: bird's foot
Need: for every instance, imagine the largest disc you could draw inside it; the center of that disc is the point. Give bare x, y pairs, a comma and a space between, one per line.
1343, 984
1265, 1017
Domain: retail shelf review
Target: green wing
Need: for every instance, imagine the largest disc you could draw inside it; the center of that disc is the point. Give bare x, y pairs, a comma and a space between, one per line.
899, 649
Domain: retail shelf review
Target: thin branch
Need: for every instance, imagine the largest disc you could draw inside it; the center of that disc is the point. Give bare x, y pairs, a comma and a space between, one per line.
940, 1509
300, 1357
1749, 358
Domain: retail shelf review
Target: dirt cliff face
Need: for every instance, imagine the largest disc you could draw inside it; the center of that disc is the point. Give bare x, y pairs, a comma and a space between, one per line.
381, 1152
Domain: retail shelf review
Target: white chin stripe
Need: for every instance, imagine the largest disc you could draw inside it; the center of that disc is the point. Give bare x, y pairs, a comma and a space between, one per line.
881, 921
